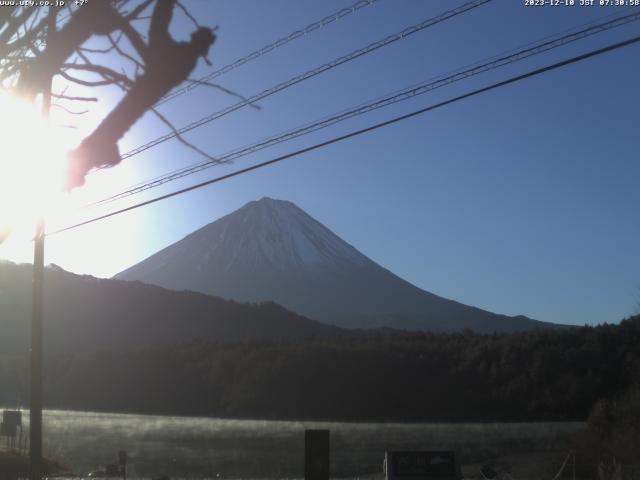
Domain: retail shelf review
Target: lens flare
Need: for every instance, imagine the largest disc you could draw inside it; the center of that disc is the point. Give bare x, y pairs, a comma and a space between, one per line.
32, 165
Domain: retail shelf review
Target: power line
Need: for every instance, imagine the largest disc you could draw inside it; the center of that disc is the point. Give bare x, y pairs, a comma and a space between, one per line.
323, 22
393, 98
376, 126
468, 66
364, 108
309, 74
269, 48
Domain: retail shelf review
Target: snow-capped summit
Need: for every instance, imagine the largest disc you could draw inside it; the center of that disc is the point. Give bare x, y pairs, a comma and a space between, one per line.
279, 234
271, 250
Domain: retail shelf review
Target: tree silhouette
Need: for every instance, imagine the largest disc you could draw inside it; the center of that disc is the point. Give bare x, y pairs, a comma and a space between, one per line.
136, 35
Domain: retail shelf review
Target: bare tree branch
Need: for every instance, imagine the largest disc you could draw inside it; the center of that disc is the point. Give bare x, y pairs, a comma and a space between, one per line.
116, 47
181, 139
138, 10
101, 70
168, 63
135, 39
95, 50
5, 14
62, 96
161, 63
86, 83
22, 41
13, 25
95, 18
71, 112
187, 14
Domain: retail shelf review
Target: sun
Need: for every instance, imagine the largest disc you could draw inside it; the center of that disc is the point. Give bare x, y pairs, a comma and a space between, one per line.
32, 165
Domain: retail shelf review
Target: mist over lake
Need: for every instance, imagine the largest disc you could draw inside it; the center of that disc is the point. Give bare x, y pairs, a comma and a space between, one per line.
191, 446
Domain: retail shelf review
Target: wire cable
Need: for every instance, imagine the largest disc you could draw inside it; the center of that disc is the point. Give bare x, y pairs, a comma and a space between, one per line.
390, 99
468, 66
269, 48
355, 133
309, 74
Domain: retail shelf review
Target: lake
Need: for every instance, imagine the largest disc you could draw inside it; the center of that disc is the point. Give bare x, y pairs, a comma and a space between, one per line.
225, 448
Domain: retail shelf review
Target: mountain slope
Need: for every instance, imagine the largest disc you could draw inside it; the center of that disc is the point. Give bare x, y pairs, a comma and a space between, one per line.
272, 250
83, 313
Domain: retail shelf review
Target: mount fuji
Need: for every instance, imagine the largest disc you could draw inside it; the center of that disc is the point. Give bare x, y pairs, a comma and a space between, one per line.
271, 250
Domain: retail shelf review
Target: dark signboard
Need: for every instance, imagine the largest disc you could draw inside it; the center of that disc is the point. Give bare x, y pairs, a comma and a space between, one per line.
422, 464
11, 420
7, 430
316, 454
12, 417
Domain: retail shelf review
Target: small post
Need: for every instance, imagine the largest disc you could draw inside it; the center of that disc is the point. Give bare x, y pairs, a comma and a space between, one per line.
122, 460
35, 410
35, 406
316, 455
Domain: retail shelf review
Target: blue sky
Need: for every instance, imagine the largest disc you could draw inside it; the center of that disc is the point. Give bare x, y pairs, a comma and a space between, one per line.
519, 201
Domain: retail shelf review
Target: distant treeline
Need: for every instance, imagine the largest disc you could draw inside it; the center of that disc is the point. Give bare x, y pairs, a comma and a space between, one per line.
537, 375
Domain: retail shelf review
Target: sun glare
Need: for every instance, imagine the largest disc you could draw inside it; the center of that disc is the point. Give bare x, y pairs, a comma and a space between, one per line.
32, 165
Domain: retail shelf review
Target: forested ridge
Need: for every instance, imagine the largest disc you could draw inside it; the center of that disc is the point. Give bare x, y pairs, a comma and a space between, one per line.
537, 375
85, 314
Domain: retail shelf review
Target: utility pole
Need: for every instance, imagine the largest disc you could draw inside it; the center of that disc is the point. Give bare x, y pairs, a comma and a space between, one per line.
35, 411
35, 407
